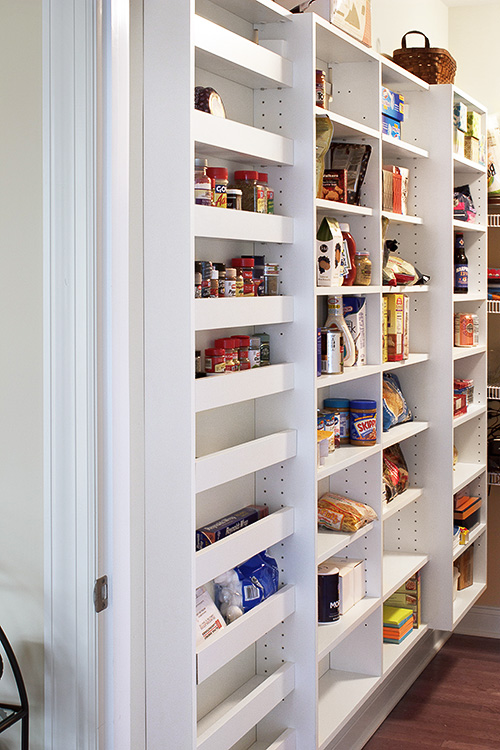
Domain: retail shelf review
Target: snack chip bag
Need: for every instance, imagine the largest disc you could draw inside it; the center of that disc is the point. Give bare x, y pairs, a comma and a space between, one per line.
395, 472
396, 410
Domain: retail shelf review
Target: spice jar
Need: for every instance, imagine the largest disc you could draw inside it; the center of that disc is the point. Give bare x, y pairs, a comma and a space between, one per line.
320, 88
230, 353
268, 191
253, 194
258, 273
221, 269
271, 279
363, 422
215, 361
206, 277
339, 406
197, 279
230, 283
218, 175
363, 266
254, 352
234, 197
202, 184
243, 342
214, 283
245, 266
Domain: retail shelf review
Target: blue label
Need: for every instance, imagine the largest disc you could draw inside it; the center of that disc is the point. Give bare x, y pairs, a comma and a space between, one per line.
461, 277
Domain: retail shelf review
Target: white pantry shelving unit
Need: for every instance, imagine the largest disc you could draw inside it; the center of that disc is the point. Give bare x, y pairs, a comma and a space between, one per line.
216, 444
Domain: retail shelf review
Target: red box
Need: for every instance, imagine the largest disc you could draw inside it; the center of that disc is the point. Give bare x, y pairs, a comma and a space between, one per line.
459, 404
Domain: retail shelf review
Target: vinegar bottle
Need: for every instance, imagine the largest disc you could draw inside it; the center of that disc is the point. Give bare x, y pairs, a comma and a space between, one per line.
349, 253
335, 319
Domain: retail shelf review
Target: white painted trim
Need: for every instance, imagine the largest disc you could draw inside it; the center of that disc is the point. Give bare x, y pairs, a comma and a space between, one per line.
481, 621
69, 374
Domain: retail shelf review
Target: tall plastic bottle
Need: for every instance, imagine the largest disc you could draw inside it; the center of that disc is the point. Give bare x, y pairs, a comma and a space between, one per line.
335, 319
350, 252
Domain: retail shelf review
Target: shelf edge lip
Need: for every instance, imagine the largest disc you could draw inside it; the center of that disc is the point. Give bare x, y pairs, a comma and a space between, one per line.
402, 218
352, 373
474, 473
388, 511
285, 371
323, 472
208, 317
472, 166
363, 130
342, 543
467, 351
405, 74
420, 427
418, 358
481, 587
273, 14
242, 225
405, 148
418, 563
420, 632
371, 604
343, 208
475, 411
469, 226
335, 291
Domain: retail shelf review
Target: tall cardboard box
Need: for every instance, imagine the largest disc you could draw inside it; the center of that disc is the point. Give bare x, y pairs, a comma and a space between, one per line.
352, 16
395, 327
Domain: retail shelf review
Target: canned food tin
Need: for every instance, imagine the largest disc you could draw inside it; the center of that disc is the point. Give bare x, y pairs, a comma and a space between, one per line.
466, 329
329, 421
332, 351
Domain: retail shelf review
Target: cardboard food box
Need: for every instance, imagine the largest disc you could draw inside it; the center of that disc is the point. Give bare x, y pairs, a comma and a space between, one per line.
229, 524
384, 329
329, 244
352, 16
465, 566
460, 116
391, 127
335, 185
355, 316
387, 200
395, 327
471, 148
351, 581
458, 142
473, 124
392, 104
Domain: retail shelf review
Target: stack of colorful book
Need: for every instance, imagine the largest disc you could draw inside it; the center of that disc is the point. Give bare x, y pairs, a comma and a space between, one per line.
398, 623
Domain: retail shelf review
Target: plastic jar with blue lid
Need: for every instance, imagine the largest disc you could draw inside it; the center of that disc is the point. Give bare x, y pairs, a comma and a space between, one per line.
341, 406
363, 422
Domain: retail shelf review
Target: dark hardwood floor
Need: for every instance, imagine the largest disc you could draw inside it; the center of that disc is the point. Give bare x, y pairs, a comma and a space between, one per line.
454, 704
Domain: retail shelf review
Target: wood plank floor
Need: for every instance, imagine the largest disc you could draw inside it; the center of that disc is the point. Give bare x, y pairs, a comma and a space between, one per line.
454, 704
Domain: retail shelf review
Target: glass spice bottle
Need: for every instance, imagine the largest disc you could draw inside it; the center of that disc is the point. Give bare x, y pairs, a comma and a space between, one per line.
221, 269
269, 192
363, 266
321, 88
253, 194
202, 184
218, 175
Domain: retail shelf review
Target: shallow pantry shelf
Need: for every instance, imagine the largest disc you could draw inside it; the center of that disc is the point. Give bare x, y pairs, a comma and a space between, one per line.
234, 141
412, 289
474, 534
465, 473
468, 226
461, 352
235, 312
334, 45
465, 600
395, 75
345, 456
394, 653
398, 567
402, 432
350, 373
286, 741
231, 388
329, 636
227, 224
245, 707
461, 164
413, 359
215, 469
331, 542
345, 127
474, 410
336, 290
227, 643
258, 11
401, 501
234, 549
402, 218
394, 148
340, 696
335, 208
220, 51
469, 297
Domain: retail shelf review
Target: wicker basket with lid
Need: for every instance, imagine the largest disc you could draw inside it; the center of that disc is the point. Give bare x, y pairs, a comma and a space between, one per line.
432, 64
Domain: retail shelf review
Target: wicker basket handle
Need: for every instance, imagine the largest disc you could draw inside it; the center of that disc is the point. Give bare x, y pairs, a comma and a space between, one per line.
403, 40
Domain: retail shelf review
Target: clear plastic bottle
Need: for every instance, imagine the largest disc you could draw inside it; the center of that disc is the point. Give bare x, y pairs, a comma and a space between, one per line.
202, 184
335, 319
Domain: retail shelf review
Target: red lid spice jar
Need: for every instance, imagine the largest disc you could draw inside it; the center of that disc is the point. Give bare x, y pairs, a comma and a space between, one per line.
268, 191
230, 353
244, 266
243, 343
215, 361
253, 194
218, 175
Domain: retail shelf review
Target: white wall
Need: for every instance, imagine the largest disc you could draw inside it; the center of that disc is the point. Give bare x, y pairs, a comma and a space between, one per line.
393, 18
21, 450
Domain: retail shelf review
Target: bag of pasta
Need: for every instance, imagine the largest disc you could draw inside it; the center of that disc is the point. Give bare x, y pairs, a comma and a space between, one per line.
339, 513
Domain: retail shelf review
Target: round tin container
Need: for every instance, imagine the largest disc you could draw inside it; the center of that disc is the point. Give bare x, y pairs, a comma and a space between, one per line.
466, 330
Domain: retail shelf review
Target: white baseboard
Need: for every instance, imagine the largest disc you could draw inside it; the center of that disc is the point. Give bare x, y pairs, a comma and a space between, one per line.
481, 621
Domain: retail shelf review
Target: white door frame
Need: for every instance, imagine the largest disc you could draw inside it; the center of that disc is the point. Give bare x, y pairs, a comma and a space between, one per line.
86, 374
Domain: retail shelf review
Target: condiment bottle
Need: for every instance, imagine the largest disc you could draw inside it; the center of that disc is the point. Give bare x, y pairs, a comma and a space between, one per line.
234, 196
461, 285
230, 283
320, 88
202, 184
214, 283
253, 194
218, 175
258, 273
230, 354
339, 406
271, 279
268, 191
206, 277
243, 343
245, 267
363, 266
335, 319
215, 361
221, 269
348, 255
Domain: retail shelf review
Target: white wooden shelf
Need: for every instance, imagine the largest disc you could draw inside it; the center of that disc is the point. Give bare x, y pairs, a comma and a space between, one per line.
344, 127
227, 643
329, 636
413, 359
224, 466
235, 312
469, 297
394, 653
340, 695
462, 164
345, 456
248, 705
226, 223
400, 501
398, 567
332, 542
234, 549
333, 44
394, 148
220, 51
460, 352
350, 373
465, 600
226, 139
335, 209
402, 218
329, 291
474, 534
233, 387
411, 289
402, 432
474, 410
394, 75
465, 473
286, 741
468, 226
257, 11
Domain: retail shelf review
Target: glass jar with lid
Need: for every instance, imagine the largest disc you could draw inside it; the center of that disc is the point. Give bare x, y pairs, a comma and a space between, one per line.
253, 193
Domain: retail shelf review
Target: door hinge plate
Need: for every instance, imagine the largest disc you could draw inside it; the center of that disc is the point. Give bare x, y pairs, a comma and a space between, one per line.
101, 594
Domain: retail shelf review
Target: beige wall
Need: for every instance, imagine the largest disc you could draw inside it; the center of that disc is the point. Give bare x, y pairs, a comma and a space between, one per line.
21, 448
391, 19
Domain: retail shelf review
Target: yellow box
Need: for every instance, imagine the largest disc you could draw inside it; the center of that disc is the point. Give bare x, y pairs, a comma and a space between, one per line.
458, 142
471, 150
473, 123
395, 327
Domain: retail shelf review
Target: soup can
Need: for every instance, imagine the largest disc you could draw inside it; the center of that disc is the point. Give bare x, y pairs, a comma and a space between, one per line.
332, 351
466, 329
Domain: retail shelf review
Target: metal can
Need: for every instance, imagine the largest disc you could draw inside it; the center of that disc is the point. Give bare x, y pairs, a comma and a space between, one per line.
332, 351
466, 329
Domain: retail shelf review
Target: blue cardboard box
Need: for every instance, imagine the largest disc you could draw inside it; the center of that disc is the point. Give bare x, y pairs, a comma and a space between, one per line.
392, 104
391, 127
